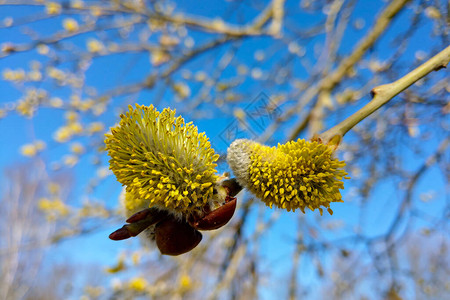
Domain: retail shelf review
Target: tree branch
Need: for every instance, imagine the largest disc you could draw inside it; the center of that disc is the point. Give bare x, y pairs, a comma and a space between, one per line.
384, 93
330, 81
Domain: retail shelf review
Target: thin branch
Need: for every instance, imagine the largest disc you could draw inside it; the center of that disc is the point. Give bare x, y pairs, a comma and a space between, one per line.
219, 26
150, 80
384, 93
330, 81
429, 162
380, 26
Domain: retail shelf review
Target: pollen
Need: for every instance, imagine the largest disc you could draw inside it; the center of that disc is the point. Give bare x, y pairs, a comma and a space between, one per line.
295, 175
161, 160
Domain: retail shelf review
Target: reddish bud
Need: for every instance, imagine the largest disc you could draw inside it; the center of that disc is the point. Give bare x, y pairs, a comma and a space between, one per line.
150, 215
138, 223
216, 218
176, 237
120, 234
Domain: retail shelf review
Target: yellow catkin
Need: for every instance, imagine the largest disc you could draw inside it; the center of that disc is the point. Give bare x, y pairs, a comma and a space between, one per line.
162, 160
294, 175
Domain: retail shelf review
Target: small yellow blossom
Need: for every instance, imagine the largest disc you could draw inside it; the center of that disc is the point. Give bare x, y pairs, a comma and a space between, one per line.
95, 127
156, 24
239, 113
103, 172
76, 127
28, 150
256, 73
53, 207
96, 11
34, 75
53, 188
120, 266
71, 25
94, 292
70, 160
94, 46
182, 90
31, 150
85, 105
40, 145
135, 258
433, 13
413, 130
42, 49
75, 100
77, 4
26, 108
158, 57
56, 73
63, 134
185, 282
138, 284
218, 25
8, 74
200, 76
14, 75
71, 116
53, 8
98, 108
56, 102
168, 41
295, 175
30, 102
77, 148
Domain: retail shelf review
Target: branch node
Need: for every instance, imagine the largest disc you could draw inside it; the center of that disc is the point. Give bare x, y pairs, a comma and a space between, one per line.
443, 66
378, 90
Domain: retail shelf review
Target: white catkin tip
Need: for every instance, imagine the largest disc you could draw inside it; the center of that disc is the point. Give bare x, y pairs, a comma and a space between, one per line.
238, 158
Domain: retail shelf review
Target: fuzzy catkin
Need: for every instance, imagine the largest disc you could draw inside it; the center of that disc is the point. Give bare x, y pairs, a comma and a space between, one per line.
298, 174
161, 160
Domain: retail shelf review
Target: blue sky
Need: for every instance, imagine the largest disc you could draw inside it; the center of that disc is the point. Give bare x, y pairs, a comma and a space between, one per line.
120, 69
